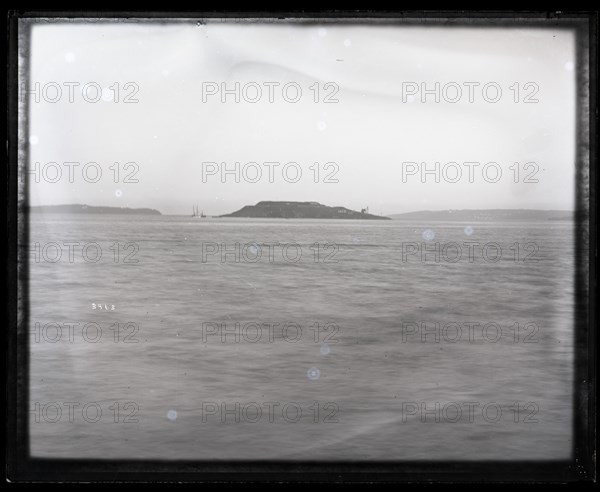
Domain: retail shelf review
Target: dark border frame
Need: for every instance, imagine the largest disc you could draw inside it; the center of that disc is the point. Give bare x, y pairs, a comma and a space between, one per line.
22, 468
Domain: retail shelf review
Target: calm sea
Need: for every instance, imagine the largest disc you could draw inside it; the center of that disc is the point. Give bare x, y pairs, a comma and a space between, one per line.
300, 339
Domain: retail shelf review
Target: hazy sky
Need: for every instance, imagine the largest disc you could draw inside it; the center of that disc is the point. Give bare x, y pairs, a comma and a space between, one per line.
368, 133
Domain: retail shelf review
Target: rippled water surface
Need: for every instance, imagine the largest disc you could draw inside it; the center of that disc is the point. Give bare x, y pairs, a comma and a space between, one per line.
265, 354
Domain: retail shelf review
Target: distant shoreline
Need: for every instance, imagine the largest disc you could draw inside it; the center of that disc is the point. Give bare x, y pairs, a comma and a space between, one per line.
89, 209
292, 211
482, 215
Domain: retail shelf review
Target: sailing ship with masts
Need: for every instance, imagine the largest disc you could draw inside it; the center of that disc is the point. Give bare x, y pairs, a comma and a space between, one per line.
195, 213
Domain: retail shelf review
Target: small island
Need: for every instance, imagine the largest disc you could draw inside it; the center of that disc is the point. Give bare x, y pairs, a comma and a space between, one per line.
89, 209
301, 210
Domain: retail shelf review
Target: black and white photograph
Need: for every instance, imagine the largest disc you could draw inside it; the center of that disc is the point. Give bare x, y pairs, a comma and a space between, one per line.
338, 247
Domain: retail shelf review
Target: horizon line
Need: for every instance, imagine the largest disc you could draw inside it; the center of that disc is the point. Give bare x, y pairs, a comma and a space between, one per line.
291, 201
